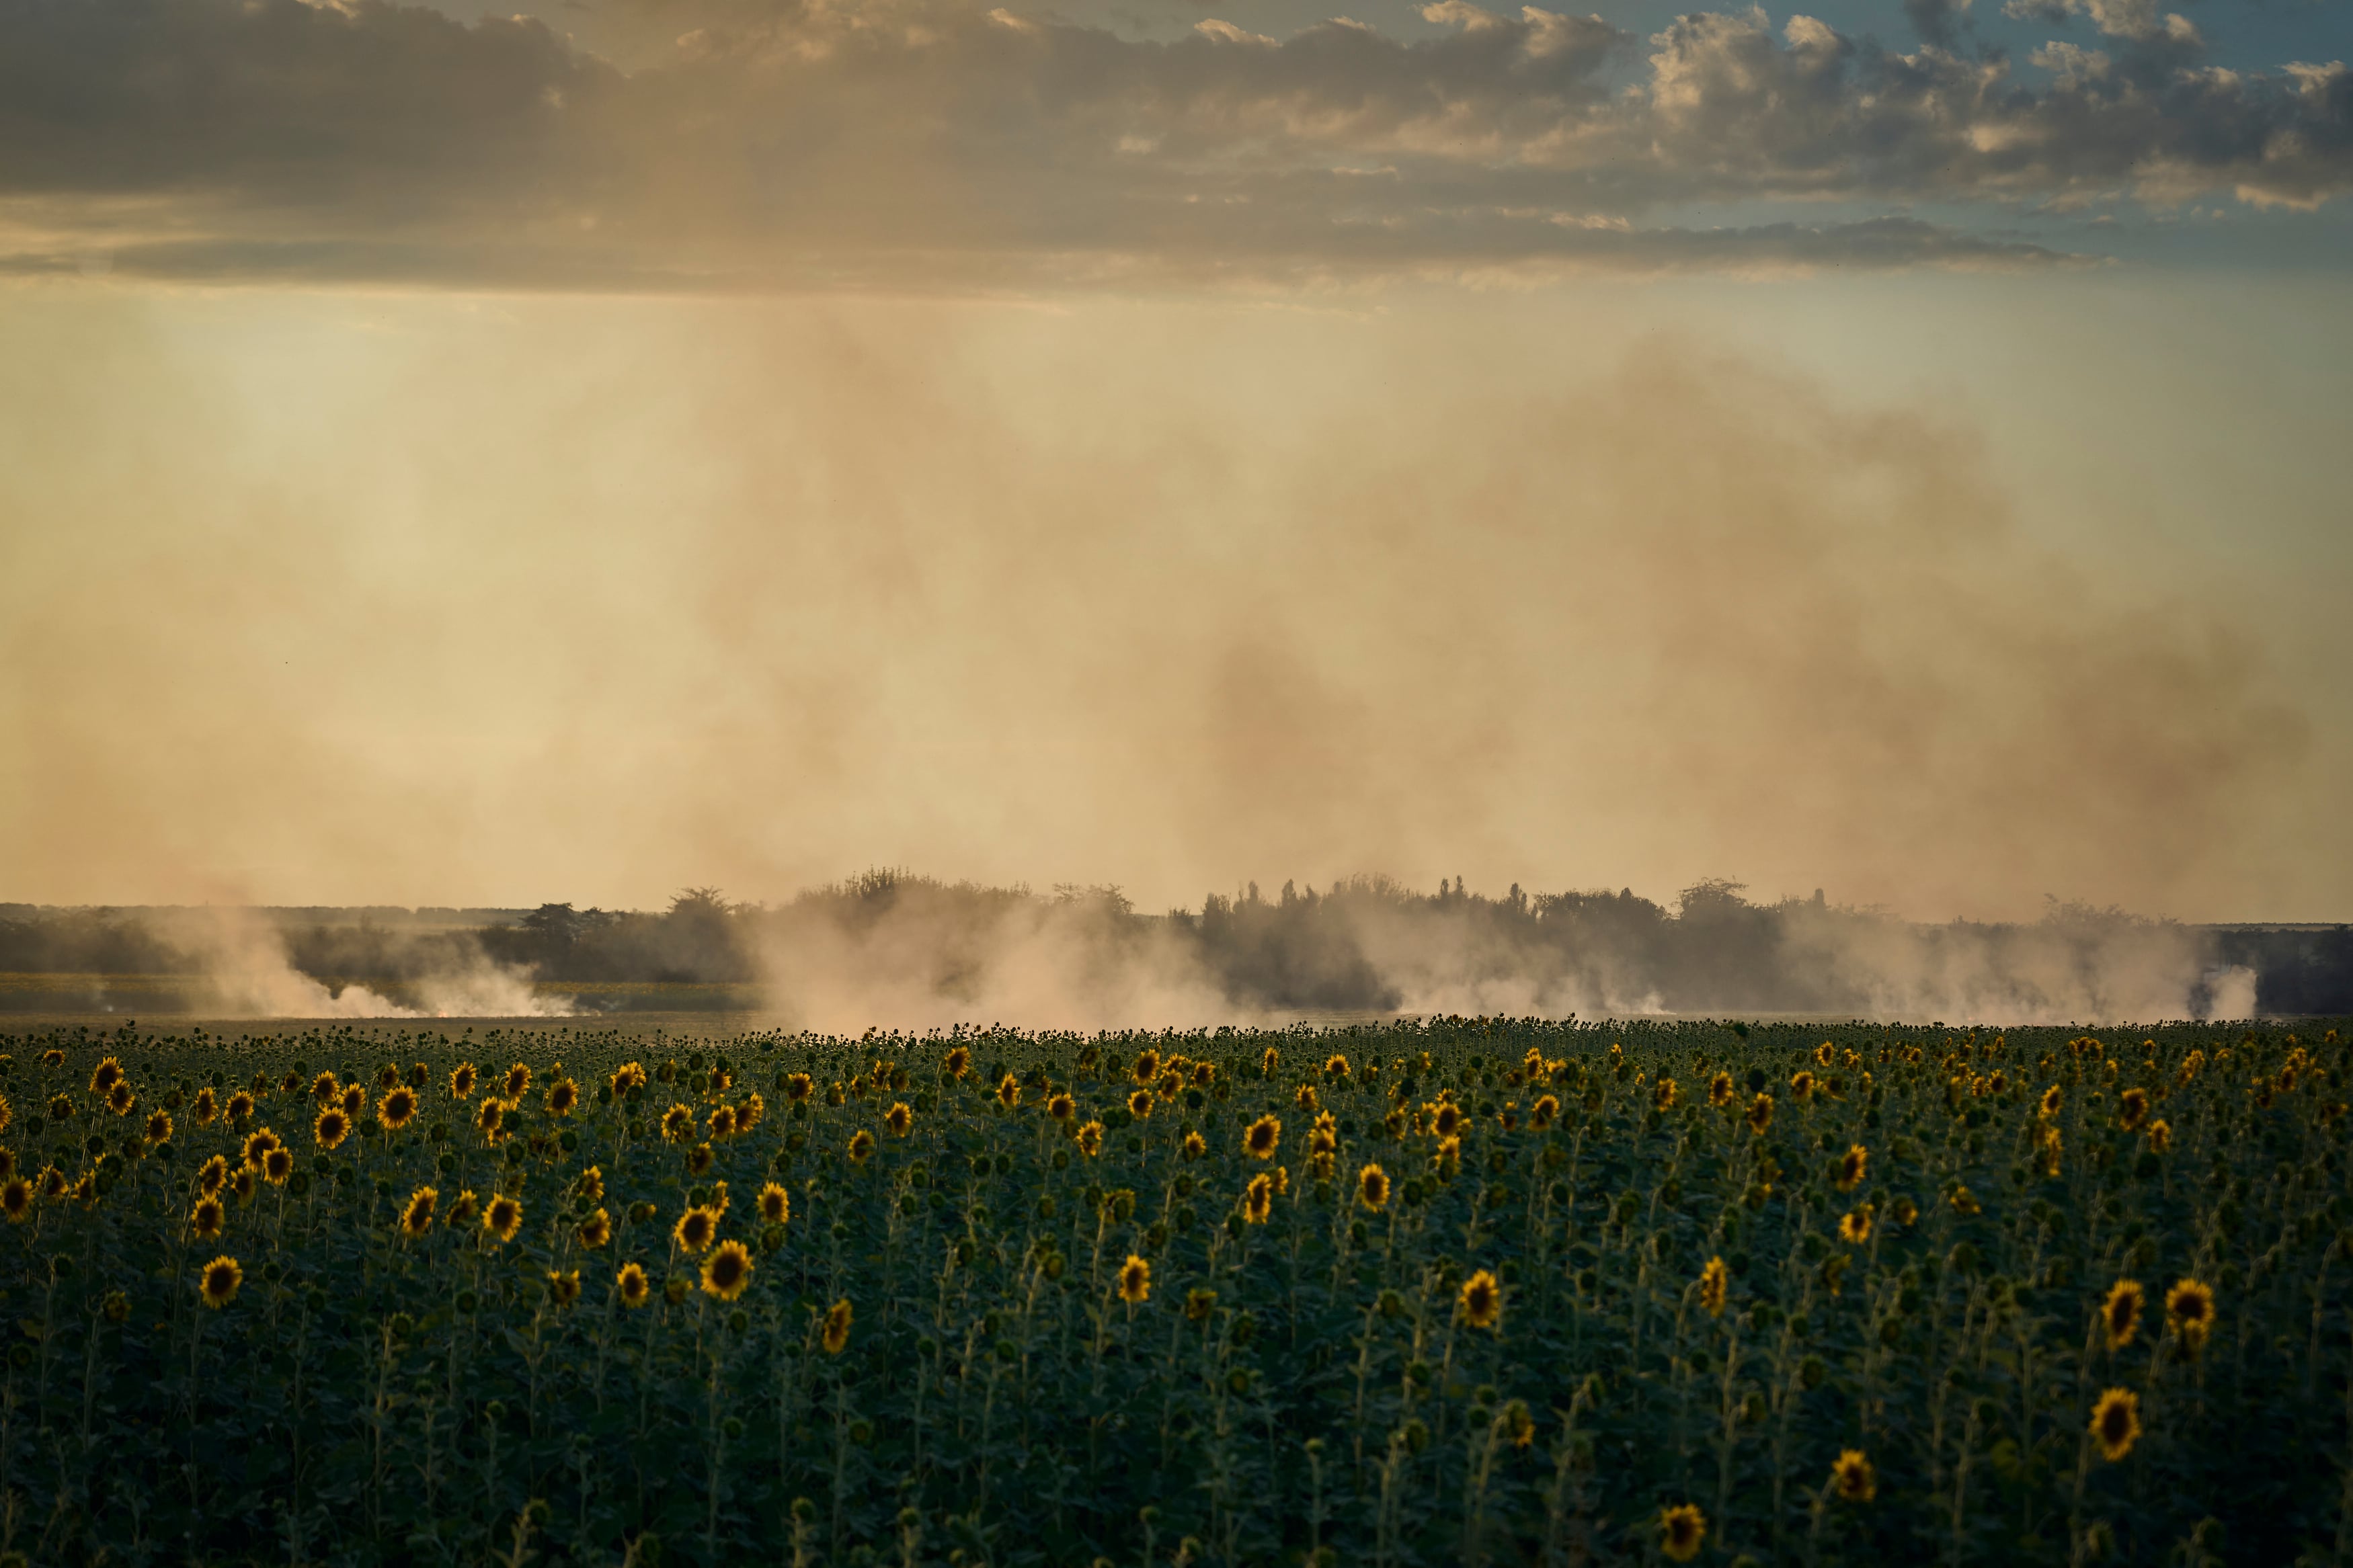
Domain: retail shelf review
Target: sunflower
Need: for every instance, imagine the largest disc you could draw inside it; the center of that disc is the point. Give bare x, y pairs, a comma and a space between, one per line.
2115, 1422
462, 1210
1372, 1188
207, 1108
1008, 1091
2052, 1100
1061, 1106
240, 1106
2160, 1135
776, 1204
1448, 1157
1262, 1138
397, 1108
696, 1229
53, 1059
355, 1101
1139, 1104
159, 1127
899, 1119
564, 1286
1147, 1066
16, 1199
1445, 1119
211, 1174
862, 1146
959, 1061
1854, 1225
105, 1075
1719, 1090
1268, 1062
241, 1184
799, 1086
61, 1108
1204, 1074
257, 1144
1715, 1284
1257, 1199
1682, 1529
1305, 1098
628, 1076
1517, 1423
1198, 1305
632, 1286
722, 1121
518, 1081
416, 1217
1964, 1201
678, 1123
1851, 1167
120, 1099
207, 1217
491, 1117
219, 1282
290, 1085
1135, 1280
1825, 1053
325, 1087
596, 1230
727, 1272
1852, 1478
462, 1081
1802, 1085
1663, 1095
1481, 1301
1193, 1146
502, 1218
563, 1096
2189, 1312
277, 1166
748, 1114
2132, 1109
837, 1327
1089, 1139
1760, 1114
331, 1127
2120, 1314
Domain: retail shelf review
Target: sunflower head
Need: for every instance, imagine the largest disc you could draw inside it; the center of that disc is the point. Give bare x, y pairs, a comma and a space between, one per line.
1851, 1165
899, 1119
16, 1199
959, 1061
1681, 1529
1139, 1104
1135, 1280
1481, 1301
2116, 1423
241, 1182
206, 1106
1854, 1225
722, 1121
1089, 1139
277, 1166
2049, 1105
518, 1081
1372, 1188
727, 1271
696, 1229
354, 1101
325, 1087
1061, 1107
416, 1217
1852, 1478
1147, 1066
1543, 1112
2120, 1314
463, 1208
1719, 1090
2160, 1136
776, 1204
1663, 1095
563, 1095
597, 1229
159, 1127
331, 1127
837, 1327
862, 1146
2189, 1312
1262, 1137
502, 1218
240, 1106
2132, 1109
397, 1107
462, 1081
799, 1086
1257, 1199
105, 1075
678, 1123
219, 1282
1715, 1285
1964, 1201
631, 1285
1008, 1091
120, 1099
1802, 1085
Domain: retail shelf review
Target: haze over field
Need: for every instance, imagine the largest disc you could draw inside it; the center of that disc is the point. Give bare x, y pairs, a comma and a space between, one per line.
464, 459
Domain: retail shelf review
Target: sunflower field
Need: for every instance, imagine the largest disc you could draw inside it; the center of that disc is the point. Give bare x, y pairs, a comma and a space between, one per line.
1456, 1290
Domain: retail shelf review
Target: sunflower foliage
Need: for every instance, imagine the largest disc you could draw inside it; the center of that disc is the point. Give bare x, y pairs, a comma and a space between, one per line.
1453, 1291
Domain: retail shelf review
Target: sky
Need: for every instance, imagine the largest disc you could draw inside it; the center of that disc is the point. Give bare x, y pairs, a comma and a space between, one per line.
465, 458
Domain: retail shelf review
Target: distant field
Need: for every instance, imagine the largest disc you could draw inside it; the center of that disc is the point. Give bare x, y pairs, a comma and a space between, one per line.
182, 994
1453, 1291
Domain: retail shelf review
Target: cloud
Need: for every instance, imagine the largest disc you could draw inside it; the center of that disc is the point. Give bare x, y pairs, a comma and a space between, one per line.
910, 139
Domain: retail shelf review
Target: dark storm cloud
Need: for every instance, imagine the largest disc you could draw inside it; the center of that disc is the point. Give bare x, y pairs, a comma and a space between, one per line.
925, 142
